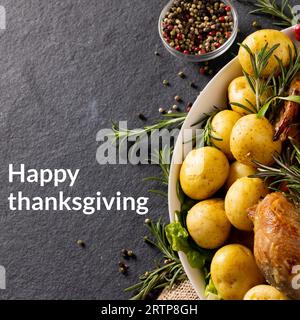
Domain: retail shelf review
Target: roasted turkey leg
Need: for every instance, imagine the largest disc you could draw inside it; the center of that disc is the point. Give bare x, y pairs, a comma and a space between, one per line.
277, 241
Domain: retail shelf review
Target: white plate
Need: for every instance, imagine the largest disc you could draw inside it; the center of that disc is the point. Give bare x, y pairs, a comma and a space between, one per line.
214, 94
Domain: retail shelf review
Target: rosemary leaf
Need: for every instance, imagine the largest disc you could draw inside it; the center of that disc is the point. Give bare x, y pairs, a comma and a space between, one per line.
164, 275
283, 12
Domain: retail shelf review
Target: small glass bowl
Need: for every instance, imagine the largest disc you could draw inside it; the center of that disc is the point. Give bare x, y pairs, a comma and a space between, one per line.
206, 56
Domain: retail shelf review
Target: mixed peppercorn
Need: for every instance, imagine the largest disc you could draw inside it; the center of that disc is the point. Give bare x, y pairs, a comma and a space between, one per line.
197, 27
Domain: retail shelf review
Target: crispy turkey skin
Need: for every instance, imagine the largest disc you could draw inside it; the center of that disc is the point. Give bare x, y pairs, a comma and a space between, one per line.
277, 241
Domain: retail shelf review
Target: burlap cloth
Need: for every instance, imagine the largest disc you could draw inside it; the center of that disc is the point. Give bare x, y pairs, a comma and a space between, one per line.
181, 291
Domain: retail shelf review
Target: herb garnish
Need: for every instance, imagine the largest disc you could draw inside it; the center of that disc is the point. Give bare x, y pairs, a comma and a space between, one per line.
285, 174
167, 273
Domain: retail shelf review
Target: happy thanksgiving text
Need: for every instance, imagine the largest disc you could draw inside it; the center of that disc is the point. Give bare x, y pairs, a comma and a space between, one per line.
17, 201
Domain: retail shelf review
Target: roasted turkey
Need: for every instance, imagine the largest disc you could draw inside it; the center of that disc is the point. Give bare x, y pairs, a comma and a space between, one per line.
287, 124
277, 241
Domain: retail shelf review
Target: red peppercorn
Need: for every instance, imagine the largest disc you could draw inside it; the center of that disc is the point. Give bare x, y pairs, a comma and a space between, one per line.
297, 32
179, 36
217, 45
212, 33
222, 19
228, 8
202, 51
200, 37
177, 48
186, 52
170, 27
202, 71
227, 34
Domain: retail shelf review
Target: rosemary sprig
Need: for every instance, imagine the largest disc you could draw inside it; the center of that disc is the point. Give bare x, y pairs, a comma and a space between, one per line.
207, 136
163, 158
278, 85
259, 62
284, 12
167, 273
168, 121
281, 82
285, 174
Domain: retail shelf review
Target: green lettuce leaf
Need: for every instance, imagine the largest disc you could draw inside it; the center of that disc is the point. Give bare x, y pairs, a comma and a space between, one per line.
195, 259
211, 291
178, 238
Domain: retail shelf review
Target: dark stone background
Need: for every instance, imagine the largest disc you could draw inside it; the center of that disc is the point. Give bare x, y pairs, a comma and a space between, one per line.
66, 69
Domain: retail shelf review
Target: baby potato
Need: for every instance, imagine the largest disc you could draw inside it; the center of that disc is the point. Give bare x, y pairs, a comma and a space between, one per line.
222, 124
208, 224
257, 40
203, 172
239, 91
234, 271
238, 170
252, 139
264, 292
243, 194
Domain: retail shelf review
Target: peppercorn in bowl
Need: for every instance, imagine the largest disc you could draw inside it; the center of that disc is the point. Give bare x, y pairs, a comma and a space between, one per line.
196, 31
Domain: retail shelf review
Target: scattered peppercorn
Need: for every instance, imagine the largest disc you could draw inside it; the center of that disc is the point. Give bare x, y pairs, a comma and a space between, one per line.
123, 268
80, 243
147, 221
124, 252
175, 107
193, 85
142, 117
202, 71
170, 111
177, 98
127, 254
181, 74
131, 254
166, 83
189, 107
255, 24
156, 53
197, 27
161, 110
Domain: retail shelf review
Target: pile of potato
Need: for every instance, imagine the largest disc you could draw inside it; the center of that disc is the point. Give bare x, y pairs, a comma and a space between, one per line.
209, 172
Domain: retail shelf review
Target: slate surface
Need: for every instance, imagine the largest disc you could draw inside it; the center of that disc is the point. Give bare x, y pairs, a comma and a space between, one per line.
66, 69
